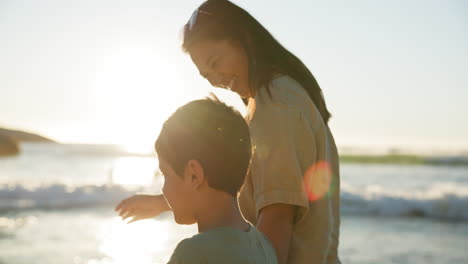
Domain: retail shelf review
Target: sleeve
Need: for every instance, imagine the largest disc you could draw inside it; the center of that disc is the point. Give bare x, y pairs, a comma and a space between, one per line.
185, 252
277, 175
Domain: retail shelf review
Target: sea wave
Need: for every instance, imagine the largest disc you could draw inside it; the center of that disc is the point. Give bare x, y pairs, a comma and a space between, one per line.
61, 196
440, 201
443, 201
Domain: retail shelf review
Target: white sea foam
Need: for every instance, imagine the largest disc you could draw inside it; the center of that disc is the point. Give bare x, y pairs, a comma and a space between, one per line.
61, 196
441, 201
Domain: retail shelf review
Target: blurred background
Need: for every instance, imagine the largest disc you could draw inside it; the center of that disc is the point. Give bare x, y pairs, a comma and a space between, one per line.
85, 87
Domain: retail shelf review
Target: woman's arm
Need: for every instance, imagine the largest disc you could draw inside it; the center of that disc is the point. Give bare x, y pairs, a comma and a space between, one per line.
276, 223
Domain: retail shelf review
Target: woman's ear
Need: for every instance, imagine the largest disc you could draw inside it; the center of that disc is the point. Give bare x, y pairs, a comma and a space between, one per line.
194, 174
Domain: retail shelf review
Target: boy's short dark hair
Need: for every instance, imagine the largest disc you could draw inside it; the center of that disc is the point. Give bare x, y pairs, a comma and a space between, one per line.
212, 133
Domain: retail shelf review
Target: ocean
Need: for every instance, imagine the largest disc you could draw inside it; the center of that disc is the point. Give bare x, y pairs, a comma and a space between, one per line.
57, 202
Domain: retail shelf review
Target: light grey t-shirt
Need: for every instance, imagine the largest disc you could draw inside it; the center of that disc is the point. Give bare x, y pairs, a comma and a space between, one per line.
225, 245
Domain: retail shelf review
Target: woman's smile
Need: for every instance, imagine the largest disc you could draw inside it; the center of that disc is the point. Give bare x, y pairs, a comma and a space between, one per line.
228, 83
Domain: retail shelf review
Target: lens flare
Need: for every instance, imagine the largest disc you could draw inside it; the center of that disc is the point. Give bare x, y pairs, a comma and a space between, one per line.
317, 180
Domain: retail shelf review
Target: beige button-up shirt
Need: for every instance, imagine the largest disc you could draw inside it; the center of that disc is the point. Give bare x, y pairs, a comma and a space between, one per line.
295, 161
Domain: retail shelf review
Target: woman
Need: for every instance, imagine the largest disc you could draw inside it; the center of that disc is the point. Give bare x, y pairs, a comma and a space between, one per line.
292, 191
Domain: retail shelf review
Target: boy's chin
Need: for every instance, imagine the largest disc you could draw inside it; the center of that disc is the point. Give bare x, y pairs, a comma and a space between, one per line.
184, 220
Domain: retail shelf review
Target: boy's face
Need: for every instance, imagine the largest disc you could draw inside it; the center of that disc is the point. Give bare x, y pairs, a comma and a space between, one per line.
178, 191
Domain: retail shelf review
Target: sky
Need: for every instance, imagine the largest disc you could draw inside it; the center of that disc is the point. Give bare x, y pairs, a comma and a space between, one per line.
394, 73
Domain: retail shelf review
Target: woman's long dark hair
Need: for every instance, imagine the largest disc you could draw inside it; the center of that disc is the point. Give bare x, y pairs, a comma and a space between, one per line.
221, 19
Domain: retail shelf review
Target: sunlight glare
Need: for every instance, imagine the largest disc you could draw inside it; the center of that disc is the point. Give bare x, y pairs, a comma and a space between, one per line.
142, 148
138, 242
145, 241
134, 170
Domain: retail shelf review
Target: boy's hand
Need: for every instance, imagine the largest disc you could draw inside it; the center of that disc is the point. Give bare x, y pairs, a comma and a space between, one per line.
141, 207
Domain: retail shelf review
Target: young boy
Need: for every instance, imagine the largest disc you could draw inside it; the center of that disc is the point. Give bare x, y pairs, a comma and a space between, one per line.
204, 152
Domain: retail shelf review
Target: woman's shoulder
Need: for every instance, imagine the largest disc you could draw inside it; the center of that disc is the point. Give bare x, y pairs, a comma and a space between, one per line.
284, 90
286, 97
280, 104
284, 83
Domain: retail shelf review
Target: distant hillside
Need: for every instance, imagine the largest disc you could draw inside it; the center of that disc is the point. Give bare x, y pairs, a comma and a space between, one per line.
22, 136
10, 140
406, 159
8, 146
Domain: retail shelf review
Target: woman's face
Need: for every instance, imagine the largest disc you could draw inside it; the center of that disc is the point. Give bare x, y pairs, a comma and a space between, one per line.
224, 64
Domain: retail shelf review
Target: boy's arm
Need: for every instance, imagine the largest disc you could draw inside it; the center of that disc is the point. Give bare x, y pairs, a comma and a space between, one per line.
276, 223
142, 207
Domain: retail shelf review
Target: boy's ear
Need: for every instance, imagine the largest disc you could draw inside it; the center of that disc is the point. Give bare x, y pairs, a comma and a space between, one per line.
195, 173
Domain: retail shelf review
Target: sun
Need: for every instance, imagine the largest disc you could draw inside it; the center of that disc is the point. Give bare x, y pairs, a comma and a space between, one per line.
137, 87
134, 95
